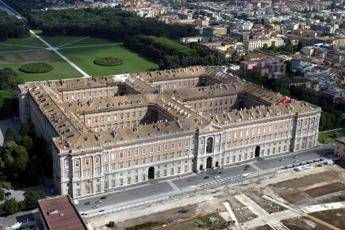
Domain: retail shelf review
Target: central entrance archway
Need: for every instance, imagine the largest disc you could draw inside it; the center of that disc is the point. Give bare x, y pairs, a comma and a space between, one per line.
257, 151
151, 173
209, 162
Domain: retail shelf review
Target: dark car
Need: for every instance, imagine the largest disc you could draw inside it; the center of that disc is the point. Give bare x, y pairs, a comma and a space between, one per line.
103, 198
87, 203
206, 177
246, 167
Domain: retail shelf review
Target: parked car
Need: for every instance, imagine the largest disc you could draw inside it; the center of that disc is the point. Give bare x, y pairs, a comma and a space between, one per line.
246, 167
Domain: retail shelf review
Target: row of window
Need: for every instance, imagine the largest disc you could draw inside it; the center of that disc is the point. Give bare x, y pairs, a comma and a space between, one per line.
111, 167
113, 182
90, 93
115, 116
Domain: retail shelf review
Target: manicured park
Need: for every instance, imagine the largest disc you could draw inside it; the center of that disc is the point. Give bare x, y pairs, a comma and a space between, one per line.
83, 51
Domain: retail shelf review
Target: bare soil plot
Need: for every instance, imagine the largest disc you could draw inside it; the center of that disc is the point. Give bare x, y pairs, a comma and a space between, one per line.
306, 180
161, 218
263, 227
269, 206
210, 221
326, 189
241, 212
335, 217
337, 197
293, 198
302, 223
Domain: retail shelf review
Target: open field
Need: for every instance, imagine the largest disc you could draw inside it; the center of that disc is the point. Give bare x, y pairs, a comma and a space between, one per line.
329, 137
80, 50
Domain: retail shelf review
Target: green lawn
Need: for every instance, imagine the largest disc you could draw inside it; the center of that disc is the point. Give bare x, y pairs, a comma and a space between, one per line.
20, 44
81, 50
329, 137
16, 60
85, 56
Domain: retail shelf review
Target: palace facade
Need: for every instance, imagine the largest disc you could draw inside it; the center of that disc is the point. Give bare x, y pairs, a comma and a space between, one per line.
109, 132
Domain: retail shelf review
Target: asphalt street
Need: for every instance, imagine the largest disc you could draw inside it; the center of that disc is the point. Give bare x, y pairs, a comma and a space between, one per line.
155, 191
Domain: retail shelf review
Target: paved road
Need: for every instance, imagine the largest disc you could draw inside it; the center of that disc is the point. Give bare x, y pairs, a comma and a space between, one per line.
55, 50
155, 191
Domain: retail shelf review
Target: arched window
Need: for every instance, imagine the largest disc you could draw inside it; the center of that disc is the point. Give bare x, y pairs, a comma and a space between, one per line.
209, 146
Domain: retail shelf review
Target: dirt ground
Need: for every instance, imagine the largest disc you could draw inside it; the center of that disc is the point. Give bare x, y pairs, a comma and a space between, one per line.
264, 227
312, 189
324, 190
269, 206
306, 188
302, 224
335, 217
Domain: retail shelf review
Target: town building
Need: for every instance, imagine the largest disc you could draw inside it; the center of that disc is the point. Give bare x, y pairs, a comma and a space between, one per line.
59, 213
116, 131
253, 44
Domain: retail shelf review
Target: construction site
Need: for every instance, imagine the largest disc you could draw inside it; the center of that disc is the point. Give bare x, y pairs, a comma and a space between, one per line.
307, 199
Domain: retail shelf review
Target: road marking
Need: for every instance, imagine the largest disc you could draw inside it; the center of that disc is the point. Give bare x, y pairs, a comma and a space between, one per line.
59, 54
173, 186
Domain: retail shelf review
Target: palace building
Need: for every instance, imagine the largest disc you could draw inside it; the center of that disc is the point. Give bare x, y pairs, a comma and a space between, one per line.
114, 131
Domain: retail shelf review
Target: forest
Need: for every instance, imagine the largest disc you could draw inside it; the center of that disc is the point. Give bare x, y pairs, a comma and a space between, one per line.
108, 23
11, 27
171, 54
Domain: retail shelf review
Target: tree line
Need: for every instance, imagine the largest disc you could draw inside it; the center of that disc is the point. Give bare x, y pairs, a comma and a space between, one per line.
108, 23
23, 158
8, 83
12, 27
171, 54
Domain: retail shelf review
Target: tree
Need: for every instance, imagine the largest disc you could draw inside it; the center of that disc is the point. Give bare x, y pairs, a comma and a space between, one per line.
16, 158
30, 201
9, 136
2, 194
11, 206
26, 141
